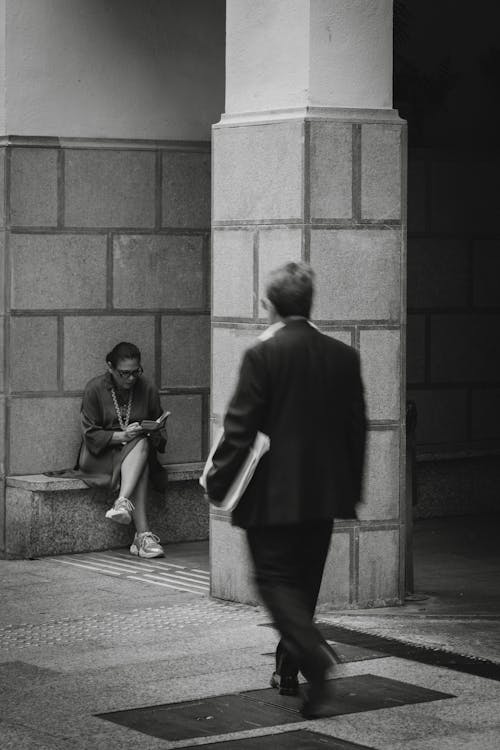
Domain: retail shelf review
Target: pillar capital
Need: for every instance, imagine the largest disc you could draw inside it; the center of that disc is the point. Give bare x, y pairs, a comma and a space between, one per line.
313, 55
304, 114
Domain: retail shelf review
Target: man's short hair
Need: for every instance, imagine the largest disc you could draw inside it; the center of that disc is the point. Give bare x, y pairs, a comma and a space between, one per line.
290, 288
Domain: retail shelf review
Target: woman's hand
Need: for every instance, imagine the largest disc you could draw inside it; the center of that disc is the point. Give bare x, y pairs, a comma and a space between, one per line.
125, 436
132, 431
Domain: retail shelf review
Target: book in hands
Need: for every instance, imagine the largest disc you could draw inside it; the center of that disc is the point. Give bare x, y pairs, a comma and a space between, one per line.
242, 479
153, 425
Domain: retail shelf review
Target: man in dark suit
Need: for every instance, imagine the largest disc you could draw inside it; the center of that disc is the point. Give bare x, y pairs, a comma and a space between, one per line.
304, 390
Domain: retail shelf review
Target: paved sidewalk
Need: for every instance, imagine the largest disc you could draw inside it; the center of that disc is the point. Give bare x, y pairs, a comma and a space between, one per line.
87, 635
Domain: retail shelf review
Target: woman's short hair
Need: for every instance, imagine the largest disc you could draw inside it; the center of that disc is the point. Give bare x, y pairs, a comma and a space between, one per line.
123, 350
290, 288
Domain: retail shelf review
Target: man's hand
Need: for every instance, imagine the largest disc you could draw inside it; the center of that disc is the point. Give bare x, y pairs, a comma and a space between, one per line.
211, 499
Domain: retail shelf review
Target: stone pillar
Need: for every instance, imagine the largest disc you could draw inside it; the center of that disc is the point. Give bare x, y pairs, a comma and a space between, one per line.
309, 162
2, 346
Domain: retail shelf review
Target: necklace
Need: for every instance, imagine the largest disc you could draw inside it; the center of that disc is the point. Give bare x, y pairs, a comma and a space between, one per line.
123, 421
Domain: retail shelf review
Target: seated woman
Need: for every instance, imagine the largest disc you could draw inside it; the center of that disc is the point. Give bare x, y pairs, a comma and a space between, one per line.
116, 452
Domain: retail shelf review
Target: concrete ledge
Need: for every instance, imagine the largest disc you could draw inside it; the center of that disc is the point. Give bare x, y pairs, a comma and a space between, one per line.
52, 515
457, 485
427, 455
43, 483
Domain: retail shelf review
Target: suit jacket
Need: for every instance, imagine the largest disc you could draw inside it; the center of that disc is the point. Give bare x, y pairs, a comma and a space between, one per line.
304, 390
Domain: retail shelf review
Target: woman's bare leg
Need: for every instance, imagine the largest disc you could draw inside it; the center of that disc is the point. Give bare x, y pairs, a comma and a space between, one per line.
139, 499
132, 468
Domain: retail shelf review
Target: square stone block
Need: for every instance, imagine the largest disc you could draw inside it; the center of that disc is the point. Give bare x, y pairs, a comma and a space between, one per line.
358, 274
109, 188
381, 368
258, 172
335, 586
182, 512
228, 345
441, 415
87, 340
331, 170
3, 533
232, 273
463, 487
380, 172
2, 187
438, 274
2, 353
185, 351
186, 189
276, 247
486, 273
482, 193
44, 434
417, 195
485, 414
158, 272
230, 563
33, 353
345, 336
465, 348
3, 275
381, 482
2, 442
33, 187
415, 349
184, 428
464, 195
449, 202
378, 567
51, 272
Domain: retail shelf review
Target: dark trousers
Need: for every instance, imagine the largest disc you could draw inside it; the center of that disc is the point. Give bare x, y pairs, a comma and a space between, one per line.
289, 562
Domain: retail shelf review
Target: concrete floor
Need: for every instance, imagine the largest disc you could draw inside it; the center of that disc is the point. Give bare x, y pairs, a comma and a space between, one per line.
456, 562
457, 573
82, 639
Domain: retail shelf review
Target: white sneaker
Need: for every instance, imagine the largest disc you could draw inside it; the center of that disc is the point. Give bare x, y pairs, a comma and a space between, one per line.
121, 512
147, 544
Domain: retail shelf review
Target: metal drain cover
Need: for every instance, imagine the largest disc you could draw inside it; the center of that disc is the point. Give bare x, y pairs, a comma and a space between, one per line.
294, 740
265, 708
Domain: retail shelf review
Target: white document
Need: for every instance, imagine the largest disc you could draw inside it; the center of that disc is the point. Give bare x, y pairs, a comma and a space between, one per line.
260, 446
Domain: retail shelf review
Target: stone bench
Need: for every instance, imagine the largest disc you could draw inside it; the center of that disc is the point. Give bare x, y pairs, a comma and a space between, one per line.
52, 515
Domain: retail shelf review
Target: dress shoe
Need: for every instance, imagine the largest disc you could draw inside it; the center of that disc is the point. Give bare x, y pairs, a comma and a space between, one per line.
285, 685
320, 701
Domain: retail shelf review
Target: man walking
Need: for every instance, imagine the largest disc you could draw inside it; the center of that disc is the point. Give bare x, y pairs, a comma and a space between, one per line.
303, 389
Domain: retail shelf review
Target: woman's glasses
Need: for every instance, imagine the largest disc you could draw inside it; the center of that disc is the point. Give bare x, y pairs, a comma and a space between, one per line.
130, 373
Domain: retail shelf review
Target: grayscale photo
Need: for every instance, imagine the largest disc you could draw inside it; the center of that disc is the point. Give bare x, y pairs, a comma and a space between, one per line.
249, 375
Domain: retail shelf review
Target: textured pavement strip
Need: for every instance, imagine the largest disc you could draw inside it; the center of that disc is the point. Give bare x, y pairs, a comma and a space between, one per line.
155, 571
157, 560
155, 563
177, 587
106, 627
133, 566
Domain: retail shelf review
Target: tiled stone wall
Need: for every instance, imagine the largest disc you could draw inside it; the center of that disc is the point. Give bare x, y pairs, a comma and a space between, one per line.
454, 298
104, 241
332, 192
